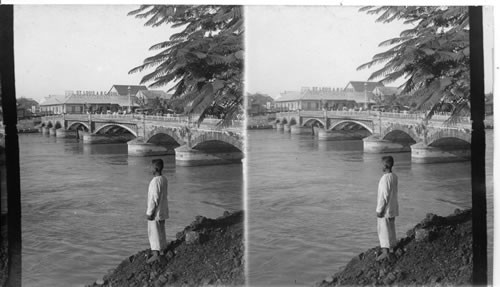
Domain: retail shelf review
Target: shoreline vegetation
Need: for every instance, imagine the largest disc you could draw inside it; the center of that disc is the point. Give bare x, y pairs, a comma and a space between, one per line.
259, 122
437, 251
206, 252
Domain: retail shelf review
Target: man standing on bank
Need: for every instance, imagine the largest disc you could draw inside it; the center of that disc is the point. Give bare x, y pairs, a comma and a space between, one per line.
157, 210
387, 207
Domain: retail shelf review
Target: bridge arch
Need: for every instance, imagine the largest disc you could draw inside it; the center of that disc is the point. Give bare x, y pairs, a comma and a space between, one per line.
352, 123
164, 135
449, 135
76, 125
116, 125
216, 140
293, 121
312, 122
400, 131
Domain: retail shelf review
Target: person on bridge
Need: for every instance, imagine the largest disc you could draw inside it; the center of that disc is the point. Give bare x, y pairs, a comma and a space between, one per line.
157, 210
387, 207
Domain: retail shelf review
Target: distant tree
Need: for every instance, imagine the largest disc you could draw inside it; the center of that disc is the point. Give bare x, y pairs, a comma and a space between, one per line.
141, 101
432, 56
259, 98
157, 104
204, 60
26, 103
377, 98
386, 100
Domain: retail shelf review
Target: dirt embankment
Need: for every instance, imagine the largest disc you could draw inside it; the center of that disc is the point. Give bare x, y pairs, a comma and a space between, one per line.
207, 252
437, 251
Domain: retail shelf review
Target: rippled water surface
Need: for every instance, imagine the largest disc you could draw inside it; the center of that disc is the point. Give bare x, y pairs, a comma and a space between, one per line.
312, 203
83, 206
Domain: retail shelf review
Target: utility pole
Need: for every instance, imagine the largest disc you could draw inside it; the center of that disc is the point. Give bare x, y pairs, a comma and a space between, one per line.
129, 103
366, 97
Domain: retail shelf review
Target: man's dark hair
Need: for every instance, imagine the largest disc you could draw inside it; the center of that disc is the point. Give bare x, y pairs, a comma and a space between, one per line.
388, 162
157, 164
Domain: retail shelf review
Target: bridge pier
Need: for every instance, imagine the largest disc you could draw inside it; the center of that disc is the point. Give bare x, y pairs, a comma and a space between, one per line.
374, 144
45, 130
52, 131
298, 130
422, 153
316, 131
80, 134
137, 147
89, 138
64, 133
286, 128
279, 126
334, 135
186, 156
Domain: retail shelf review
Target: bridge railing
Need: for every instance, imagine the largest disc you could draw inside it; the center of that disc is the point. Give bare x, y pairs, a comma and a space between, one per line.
53, 117
207, 123
368, 114
234, 124
440, 117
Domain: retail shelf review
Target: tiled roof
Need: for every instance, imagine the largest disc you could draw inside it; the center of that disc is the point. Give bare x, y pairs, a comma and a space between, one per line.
87, 99
359, 86
123, 89
123, 101
309, 95
152, 94
53, 100
387, 90
75, 99
324, 96
288, 96
359, 97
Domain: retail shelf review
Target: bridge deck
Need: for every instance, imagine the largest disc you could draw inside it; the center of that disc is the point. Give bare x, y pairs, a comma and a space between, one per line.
211, 124
372, 115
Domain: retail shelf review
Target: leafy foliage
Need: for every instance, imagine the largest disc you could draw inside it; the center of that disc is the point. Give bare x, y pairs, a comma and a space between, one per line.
386, 100
432, 56
26, 103
204, 60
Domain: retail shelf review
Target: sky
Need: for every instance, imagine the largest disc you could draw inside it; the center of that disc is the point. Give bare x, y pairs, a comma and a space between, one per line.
289, 47
79, 47
92, 47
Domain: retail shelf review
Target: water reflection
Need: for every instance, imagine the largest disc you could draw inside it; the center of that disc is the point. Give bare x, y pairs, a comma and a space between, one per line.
168, 161
350, 145
91, 149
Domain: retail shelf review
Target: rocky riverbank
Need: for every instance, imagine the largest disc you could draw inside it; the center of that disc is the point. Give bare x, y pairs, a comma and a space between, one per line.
437, 251
207, 252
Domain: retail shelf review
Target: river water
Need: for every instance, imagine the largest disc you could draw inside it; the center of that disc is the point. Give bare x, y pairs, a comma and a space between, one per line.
312, 203
83, 206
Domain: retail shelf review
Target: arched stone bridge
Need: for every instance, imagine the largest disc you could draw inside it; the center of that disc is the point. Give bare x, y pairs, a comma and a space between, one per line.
428, 141
154, 135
